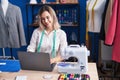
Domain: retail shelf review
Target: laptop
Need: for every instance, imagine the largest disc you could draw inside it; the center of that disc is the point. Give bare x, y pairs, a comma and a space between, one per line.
35, 61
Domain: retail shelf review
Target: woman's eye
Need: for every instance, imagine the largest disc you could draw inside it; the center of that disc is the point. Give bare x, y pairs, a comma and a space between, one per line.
47, 17
42, 19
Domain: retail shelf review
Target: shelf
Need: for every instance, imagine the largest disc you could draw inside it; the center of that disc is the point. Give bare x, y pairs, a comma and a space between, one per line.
51, 3
63, 25
67, 14
73, 25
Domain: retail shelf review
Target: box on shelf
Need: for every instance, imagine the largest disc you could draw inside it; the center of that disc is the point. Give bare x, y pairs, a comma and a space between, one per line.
66, 1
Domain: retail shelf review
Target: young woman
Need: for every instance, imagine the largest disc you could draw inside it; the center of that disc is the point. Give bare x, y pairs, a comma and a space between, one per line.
48, 38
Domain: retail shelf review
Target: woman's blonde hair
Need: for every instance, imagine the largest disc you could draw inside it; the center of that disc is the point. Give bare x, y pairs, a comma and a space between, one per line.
56, 24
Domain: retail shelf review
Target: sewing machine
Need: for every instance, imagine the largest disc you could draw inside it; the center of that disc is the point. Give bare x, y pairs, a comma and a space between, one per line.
79, 52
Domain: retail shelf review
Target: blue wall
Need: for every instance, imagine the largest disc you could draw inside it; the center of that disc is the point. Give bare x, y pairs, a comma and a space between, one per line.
22, 5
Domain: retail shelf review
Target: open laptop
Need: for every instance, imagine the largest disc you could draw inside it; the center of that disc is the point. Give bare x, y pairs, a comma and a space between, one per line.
35, 61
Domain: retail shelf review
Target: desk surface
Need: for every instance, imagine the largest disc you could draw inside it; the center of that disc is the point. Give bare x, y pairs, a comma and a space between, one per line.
38, 75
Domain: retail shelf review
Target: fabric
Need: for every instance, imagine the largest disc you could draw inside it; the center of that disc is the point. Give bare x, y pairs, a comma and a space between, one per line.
11, 28
113, 33
47, 42
110, 35
108, 14
104, 20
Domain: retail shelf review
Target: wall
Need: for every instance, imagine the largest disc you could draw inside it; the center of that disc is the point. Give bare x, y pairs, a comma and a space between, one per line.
22, 5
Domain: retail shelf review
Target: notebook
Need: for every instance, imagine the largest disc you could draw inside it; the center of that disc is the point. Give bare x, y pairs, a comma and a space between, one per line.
35, 61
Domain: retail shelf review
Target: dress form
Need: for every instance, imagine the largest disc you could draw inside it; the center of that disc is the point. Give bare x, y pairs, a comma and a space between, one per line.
98, 7
90, 4
4, 4
95, 12
11, 22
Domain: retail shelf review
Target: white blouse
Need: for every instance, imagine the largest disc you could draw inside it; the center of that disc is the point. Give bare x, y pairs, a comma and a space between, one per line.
47, 42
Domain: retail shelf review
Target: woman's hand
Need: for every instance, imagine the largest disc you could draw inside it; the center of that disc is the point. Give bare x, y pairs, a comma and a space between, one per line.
56, 59
52, 60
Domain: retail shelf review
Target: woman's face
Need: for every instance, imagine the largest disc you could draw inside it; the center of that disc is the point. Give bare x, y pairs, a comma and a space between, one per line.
46, 19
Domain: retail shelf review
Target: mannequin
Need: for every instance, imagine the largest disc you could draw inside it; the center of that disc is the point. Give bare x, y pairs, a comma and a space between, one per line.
95, 9
4, 4
11, 26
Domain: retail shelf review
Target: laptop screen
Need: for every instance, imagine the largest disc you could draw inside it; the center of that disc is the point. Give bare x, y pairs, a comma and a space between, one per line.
35, 61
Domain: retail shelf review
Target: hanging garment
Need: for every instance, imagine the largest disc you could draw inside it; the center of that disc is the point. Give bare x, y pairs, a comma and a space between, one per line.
102, 30
113, 33
11, 28
106, 19
108, 15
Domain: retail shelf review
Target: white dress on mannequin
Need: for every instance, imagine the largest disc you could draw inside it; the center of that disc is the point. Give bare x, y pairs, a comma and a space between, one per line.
95, 10
4, 4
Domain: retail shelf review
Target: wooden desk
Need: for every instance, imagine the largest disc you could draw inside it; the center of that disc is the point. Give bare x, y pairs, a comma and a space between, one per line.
38, 75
